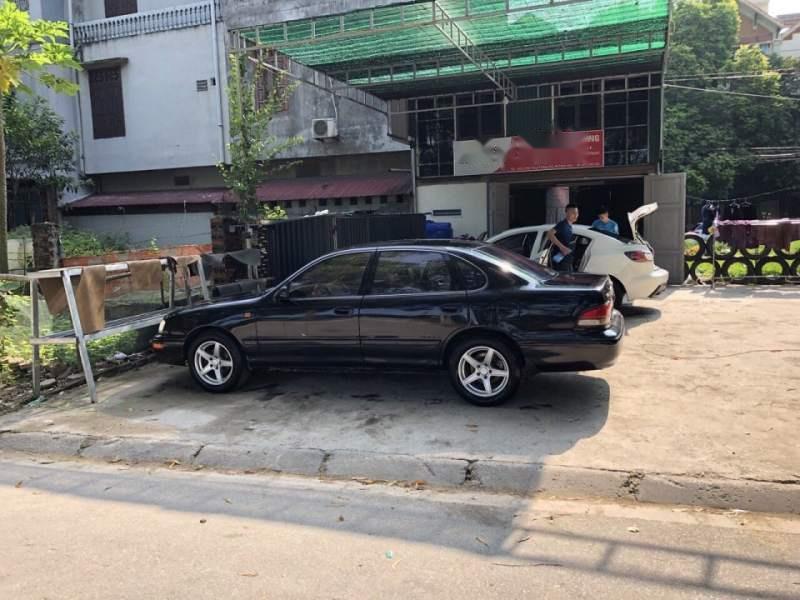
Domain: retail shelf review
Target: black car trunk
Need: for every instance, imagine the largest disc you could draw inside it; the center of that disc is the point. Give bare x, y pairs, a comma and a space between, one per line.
578, 280
600, 283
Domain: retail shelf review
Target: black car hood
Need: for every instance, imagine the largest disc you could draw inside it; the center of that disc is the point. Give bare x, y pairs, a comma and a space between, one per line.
231, 303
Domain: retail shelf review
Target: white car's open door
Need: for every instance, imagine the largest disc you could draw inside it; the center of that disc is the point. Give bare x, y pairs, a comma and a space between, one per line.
541, 249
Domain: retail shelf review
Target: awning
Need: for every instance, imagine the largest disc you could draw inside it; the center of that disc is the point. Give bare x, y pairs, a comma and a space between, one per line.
397, 49
354, 186
171, 198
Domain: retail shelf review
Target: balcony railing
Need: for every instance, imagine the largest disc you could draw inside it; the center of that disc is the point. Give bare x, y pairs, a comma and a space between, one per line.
153, 21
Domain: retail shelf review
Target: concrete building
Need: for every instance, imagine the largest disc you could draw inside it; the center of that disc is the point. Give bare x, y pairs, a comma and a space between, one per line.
779, 34
757, 26
506, 110
148, 112
30, 205
789, 44
514, 108
152, 120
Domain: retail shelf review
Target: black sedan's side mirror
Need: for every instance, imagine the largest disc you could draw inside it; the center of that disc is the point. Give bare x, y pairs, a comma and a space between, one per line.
283, 295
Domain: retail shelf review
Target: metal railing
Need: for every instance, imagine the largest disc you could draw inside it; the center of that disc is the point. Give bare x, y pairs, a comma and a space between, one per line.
153, 21
462, 41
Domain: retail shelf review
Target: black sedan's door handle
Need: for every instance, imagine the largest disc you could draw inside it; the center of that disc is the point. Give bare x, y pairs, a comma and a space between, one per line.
343, 311
451, 308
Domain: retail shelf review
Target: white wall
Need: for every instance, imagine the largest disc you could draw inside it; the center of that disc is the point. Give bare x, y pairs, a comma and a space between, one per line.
790, 48
665, 229
153, 181
65, 106
168, 123
469, 197
91, 10
20, 254
169, 229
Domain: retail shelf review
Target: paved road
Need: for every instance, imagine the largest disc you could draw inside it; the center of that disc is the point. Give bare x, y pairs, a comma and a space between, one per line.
85, 530
706, 374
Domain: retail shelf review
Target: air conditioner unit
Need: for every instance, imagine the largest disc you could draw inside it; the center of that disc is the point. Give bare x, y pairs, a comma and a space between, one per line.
324, 129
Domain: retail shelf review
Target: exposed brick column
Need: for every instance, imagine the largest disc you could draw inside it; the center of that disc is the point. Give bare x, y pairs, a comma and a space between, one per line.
46, 246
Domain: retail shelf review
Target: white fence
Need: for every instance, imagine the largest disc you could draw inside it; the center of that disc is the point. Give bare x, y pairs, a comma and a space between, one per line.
177, 17
20, 255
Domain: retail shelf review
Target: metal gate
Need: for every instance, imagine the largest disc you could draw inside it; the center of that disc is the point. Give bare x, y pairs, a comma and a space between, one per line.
288, 245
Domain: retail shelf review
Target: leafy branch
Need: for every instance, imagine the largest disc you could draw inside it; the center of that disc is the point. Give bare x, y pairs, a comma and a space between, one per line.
253, 149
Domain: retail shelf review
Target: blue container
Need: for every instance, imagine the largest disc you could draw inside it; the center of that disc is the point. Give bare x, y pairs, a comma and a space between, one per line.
438, 231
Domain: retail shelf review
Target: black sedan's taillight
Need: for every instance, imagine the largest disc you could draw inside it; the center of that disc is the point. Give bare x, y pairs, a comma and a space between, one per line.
597, 316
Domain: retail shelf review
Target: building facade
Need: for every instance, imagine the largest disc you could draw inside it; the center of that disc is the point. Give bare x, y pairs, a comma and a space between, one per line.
778, 34
790, 36
512, 108
481, 113
151, 114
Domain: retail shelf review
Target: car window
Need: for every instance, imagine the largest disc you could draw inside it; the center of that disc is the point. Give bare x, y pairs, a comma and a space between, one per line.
544, 243
520, 244
624, 240
336, 276
472, 277
524, 265
412, 272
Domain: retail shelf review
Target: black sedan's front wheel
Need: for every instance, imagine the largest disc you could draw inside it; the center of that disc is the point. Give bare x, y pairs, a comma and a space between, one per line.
216, 362
485, 371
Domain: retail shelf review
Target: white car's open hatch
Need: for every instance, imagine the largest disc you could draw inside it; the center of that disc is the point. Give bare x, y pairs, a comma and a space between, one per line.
637, 215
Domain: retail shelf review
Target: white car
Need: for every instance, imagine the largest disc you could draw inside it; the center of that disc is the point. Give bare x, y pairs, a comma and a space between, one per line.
629, 263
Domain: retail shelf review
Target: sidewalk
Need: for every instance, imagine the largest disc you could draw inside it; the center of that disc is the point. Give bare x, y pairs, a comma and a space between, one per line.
702, 408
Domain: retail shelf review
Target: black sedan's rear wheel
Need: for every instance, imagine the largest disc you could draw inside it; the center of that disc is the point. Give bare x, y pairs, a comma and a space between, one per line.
216, 362
485, 371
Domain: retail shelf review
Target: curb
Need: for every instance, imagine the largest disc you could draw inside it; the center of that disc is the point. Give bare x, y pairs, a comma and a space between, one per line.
524, 479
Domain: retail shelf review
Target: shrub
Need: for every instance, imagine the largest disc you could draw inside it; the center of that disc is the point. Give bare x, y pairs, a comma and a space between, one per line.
76, 242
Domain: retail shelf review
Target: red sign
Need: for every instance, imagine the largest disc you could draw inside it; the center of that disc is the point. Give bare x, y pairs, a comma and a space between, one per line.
567, 150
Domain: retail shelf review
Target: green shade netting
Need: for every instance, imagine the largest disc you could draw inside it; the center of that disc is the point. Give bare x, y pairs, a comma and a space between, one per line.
530, 33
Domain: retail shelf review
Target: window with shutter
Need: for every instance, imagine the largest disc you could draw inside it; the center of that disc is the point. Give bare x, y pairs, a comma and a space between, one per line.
105, 94
116, 8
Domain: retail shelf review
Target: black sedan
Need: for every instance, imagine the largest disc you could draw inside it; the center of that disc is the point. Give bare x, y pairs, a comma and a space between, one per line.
486, 315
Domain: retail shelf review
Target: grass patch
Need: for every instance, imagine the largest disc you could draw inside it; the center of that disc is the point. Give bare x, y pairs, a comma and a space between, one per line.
16, 349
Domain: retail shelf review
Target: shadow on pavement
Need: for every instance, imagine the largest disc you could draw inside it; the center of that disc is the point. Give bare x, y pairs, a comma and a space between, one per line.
543, 540
639, 315
787, 291
399, 413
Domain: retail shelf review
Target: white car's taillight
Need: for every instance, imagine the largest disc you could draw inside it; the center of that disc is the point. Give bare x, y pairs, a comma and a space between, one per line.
598, 316
640, 255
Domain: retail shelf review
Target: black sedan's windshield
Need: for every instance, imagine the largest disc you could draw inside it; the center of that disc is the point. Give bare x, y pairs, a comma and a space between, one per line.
520, 263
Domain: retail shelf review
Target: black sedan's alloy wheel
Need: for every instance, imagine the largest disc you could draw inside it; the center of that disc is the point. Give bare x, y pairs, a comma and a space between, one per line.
485, 371
216, 362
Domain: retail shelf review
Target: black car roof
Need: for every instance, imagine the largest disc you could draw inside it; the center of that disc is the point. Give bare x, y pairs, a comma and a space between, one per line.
454, 244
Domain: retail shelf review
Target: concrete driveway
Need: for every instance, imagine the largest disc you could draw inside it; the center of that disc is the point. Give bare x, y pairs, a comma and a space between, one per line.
703, 405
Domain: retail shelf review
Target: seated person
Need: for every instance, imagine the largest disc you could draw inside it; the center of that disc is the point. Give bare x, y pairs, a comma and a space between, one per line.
603, 223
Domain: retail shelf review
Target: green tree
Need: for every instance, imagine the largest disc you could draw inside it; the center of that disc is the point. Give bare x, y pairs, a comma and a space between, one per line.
708, 29
253, 149
27, 48
37, 148
716, 134
698, 134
